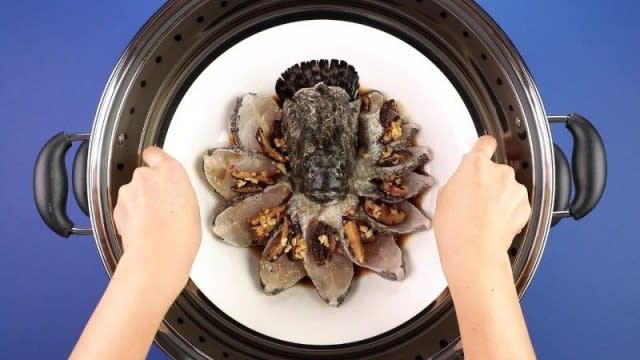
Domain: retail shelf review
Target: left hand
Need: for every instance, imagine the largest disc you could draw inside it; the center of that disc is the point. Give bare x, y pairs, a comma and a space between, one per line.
158, 218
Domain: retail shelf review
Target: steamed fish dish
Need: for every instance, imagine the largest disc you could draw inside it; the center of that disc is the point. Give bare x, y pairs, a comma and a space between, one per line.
322, 179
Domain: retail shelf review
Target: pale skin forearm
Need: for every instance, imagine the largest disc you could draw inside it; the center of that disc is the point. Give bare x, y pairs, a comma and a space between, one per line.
478, 213
481, 198
127, 318
158, 219
491, 322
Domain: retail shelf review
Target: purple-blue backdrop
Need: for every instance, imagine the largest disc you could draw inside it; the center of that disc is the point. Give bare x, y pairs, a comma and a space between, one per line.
55, 57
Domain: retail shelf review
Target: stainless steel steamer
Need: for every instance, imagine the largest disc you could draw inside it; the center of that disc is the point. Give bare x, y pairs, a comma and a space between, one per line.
184, 36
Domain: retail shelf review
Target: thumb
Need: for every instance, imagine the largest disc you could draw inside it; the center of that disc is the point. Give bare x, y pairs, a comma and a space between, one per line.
485, 146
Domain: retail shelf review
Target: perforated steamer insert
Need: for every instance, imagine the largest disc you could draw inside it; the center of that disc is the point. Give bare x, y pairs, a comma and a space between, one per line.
451, 66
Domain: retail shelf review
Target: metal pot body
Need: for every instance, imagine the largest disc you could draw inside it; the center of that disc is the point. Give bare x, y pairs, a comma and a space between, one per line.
183, 37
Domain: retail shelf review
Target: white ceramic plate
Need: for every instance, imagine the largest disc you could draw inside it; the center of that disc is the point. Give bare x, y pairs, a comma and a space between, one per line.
228, 275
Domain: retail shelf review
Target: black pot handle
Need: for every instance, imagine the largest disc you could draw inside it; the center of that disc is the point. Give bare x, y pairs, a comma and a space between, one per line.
50, 184
563, 183
80, 177
588, 169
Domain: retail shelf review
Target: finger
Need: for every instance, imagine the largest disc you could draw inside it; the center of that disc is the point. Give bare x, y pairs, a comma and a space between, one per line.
514, 193
508, 172
122, 191
118, 216
485, 146
522, 209
140, 173
154, 156
523, 192
119, 212
522, 214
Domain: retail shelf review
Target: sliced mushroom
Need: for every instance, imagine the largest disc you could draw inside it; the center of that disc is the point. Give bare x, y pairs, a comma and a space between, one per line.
391, 157
365, 103
250, 182
262, 177
388, 113
395, 188
394, 131
354, 243
384, 136
409, 132
414, 219
376, 251
281, 244
412, 159
244, 187
267, 148
234, 224
398, 189
323, 242
387, 214
332, 277
277, 137
369, 129
374, 101
252, 112
220, 165
279, 274
299, 246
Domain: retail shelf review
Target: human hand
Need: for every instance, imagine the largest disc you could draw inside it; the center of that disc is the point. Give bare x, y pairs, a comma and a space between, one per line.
158, 218
478, 213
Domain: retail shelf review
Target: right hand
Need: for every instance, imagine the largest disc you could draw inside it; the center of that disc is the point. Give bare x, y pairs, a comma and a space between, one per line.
479, 212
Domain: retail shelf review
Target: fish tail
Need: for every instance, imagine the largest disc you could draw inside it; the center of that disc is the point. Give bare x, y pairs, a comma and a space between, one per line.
309, 73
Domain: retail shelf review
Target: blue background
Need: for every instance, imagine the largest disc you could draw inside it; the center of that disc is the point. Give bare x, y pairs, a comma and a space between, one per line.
55, 57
